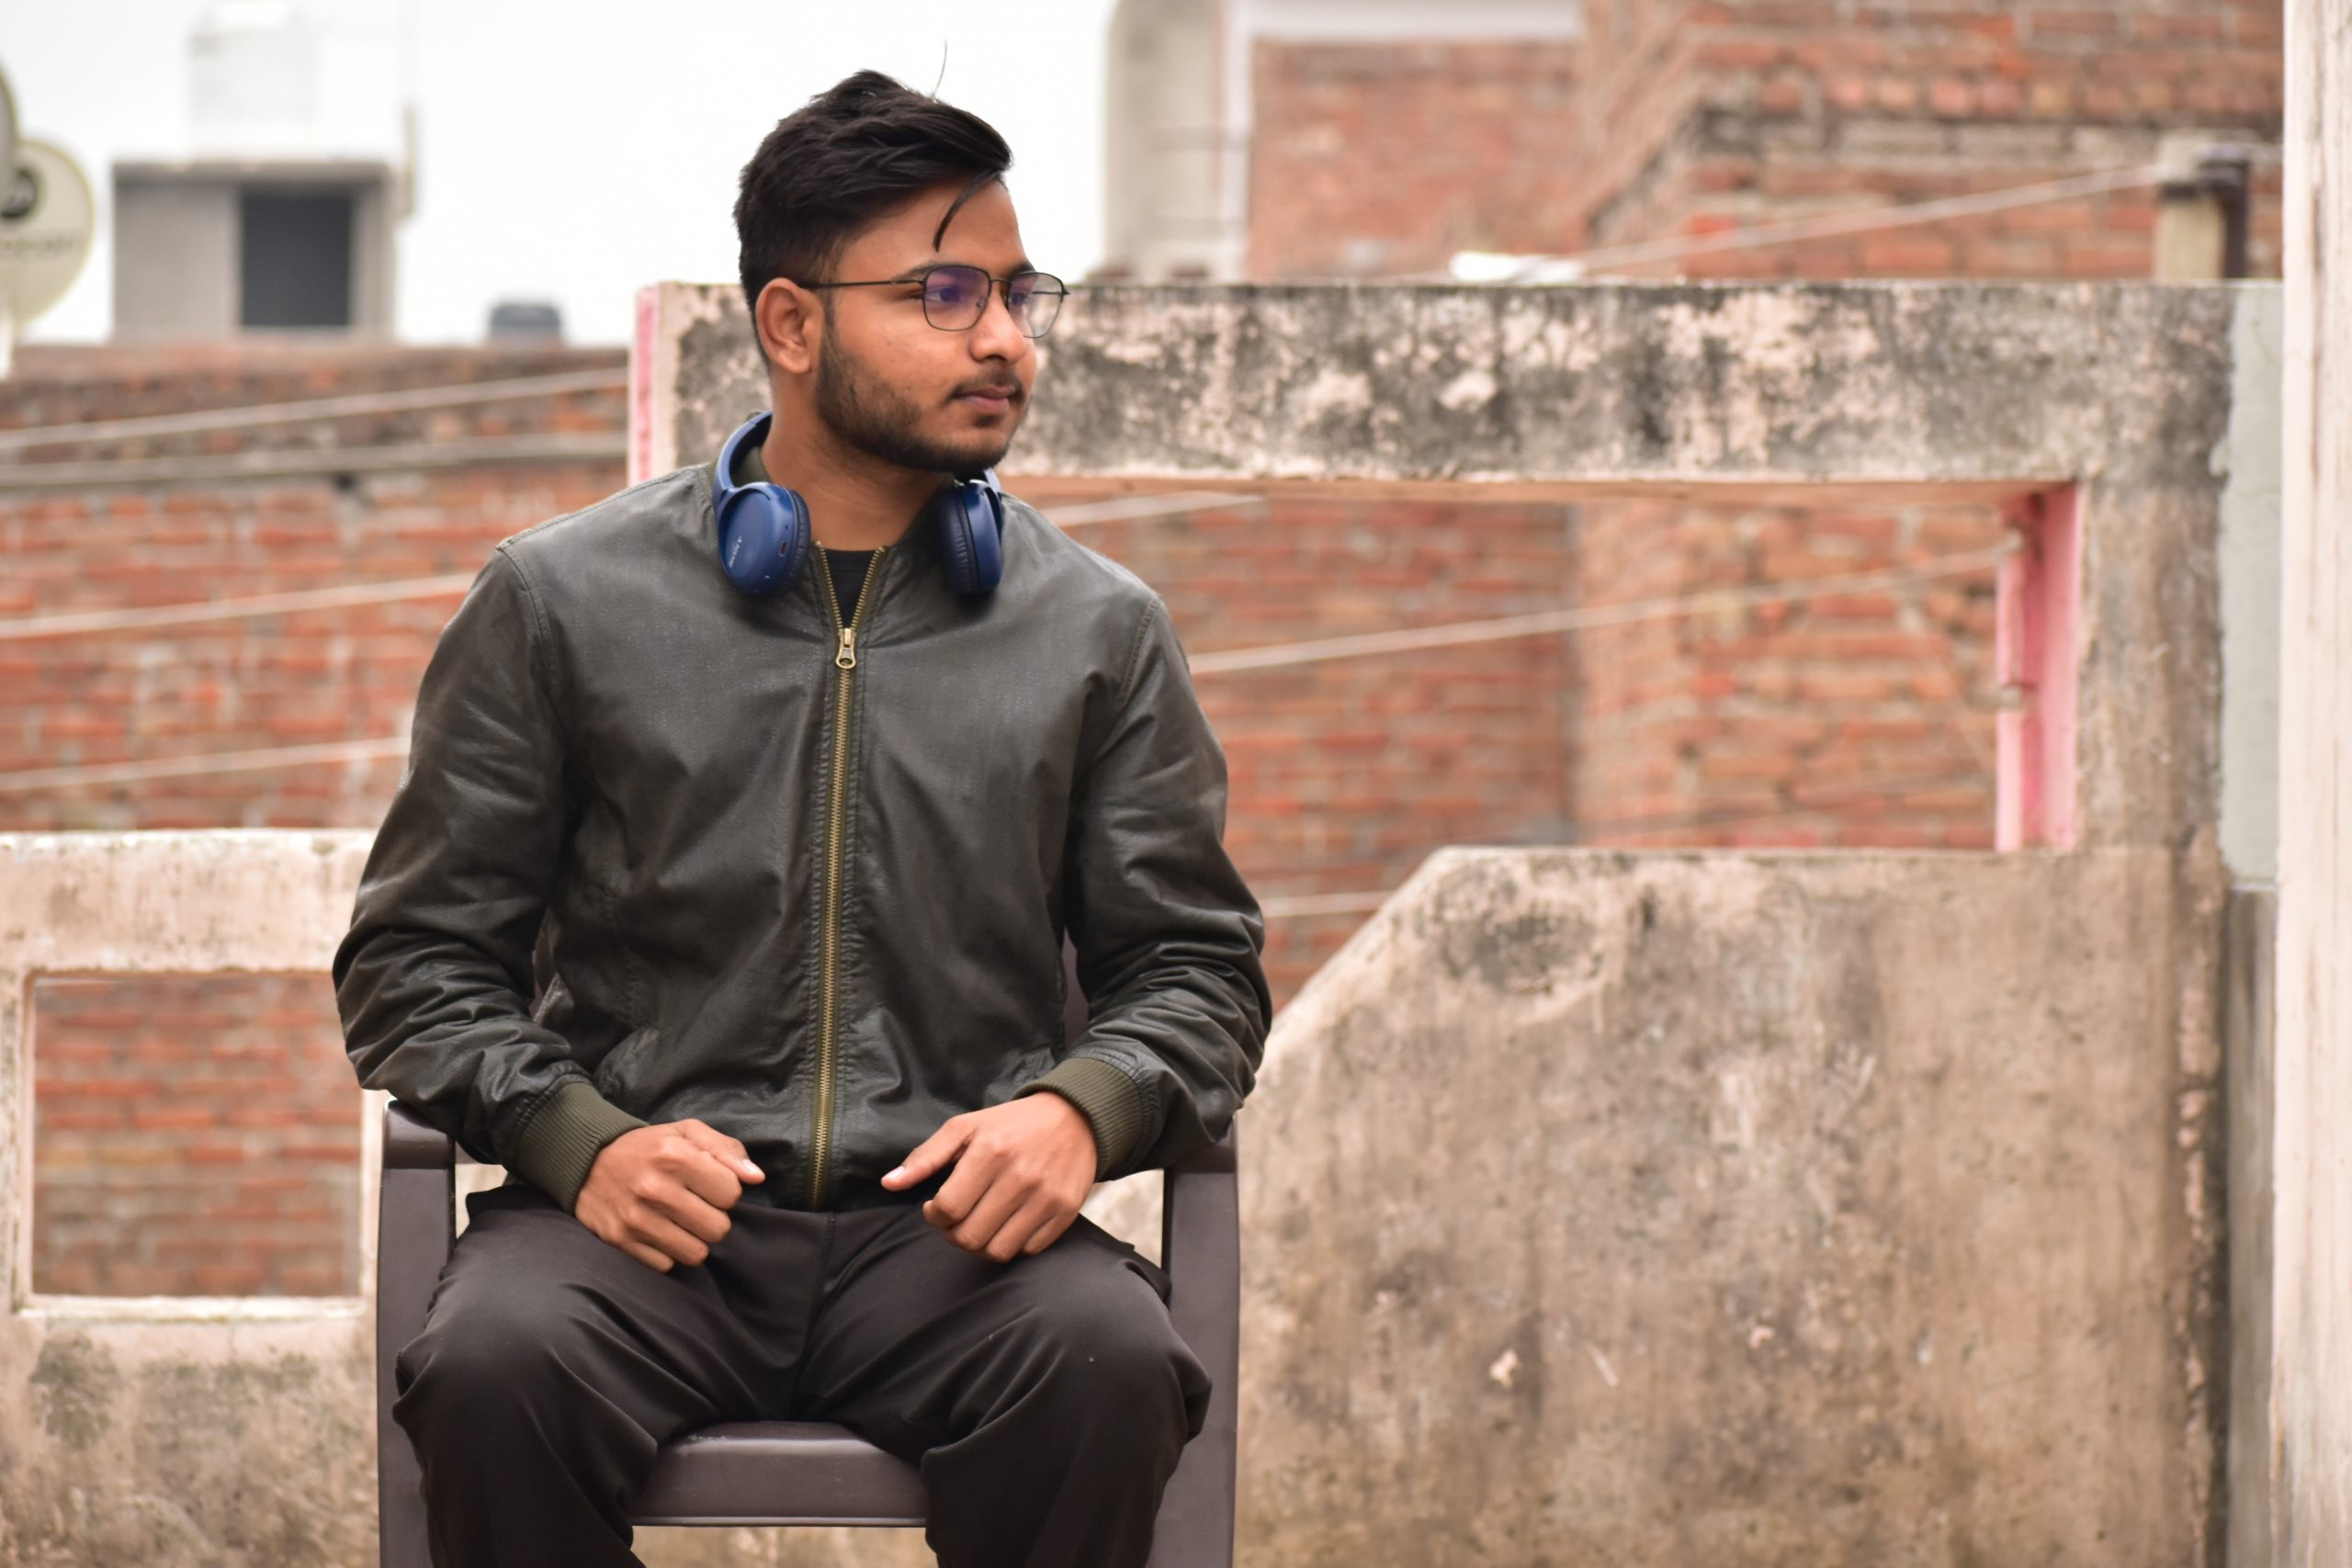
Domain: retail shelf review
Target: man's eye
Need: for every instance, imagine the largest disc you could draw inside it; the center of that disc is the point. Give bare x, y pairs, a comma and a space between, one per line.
950, 291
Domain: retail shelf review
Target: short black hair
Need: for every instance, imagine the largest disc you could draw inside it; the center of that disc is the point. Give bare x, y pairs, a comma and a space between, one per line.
850, 154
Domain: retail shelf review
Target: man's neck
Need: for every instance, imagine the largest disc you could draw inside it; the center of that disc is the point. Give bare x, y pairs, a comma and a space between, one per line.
855, 502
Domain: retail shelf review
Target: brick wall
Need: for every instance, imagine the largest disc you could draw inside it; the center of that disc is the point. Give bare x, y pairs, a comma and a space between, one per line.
1676, 118
1852, 718
193, 1135
1856, 719
1793, 110
1863, 720
1387, 158
301, 677
199, 1134
1345, 773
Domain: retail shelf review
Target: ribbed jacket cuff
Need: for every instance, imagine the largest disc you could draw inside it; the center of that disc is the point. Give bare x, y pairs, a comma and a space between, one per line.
1109, 1100
563, 1141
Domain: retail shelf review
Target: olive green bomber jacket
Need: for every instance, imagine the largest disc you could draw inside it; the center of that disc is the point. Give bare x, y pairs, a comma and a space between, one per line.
662, 850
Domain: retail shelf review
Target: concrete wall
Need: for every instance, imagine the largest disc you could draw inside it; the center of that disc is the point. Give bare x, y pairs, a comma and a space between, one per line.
175, 258
229, 1431
1669, 1209
1825, 394
1162, 143
178, 257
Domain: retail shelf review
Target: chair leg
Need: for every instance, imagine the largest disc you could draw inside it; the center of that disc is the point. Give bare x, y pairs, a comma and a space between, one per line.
1201, 1247
416, 1218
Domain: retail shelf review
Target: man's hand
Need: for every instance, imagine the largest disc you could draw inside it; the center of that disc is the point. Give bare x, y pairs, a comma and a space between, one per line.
661, 1193
1021, 1169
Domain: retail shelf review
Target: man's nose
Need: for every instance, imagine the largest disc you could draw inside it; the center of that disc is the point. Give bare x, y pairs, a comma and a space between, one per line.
997, 335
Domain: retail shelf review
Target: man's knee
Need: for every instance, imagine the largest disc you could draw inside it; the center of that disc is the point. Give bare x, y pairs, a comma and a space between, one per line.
1104, 1340
487, 1361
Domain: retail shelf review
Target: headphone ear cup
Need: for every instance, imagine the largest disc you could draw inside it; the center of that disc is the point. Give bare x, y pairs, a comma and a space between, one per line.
971, 536
763, 538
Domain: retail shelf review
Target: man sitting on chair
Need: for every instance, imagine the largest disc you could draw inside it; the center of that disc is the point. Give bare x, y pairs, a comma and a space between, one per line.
723, 901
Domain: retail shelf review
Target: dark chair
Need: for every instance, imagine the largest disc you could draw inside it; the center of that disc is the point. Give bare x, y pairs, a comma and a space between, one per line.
787, 1472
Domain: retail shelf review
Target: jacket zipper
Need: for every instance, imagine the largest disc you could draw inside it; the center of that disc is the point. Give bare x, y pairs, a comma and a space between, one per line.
821, 1140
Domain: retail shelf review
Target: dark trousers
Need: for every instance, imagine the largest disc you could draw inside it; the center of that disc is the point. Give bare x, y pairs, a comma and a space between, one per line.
1045, 1400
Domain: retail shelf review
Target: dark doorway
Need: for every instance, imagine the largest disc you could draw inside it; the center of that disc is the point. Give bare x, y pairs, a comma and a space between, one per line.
295, 258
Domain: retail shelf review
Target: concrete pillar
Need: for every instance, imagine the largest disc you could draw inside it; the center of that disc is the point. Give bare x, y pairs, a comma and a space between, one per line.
2201, 217
2310, 1369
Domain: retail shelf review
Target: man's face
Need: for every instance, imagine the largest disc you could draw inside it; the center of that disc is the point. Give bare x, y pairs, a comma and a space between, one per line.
895, 388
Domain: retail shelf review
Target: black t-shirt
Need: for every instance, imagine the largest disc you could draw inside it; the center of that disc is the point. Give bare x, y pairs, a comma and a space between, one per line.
848, 565
849, 576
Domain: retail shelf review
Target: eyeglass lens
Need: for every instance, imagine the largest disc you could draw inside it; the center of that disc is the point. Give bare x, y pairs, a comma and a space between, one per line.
954, 296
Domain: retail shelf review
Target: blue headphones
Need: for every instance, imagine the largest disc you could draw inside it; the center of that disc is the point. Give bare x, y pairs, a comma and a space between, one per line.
764, 538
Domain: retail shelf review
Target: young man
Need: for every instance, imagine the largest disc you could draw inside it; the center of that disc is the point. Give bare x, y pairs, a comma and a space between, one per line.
724, 902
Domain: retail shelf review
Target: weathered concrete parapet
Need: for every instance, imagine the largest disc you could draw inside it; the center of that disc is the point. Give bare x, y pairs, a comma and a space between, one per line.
1726, 392
1587, 386
1715, 1209
171, 1432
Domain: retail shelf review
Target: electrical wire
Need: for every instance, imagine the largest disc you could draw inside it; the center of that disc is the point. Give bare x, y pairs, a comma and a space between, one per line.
1451, 635
1144, 508
75, 622
1544, 621
203, 763
1307, 905
306, 462
1861, 220
251, 416
1152, 508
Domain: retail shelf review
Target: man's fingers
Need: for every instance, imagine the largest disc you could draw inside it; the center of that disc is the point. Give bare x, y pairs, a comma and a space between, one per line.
660, 1262
979, 1230
652, 1230
957, 1196
728, 1150
933, 1153
1047, 1234
1012, 1237
708, 1177
704, 1222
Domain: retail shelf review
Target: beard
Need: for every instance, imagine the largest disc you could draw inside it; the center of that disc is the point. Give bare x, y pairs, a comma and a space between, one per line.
868, 415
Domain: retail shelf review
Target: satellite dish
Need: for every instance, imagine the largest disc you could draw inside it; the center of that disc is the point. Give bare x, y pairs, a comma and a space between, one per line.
7, 124
47, 217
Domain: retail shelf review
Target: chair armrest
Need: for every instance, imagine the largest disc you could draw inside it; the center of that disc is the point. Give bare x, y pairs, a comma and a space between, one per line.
1200, 1246
1217, 1158
411, 1143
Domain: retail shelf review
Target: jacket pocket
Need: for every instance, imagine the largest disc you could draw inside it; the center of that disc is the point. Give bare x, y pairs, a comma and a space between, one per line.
614, 1073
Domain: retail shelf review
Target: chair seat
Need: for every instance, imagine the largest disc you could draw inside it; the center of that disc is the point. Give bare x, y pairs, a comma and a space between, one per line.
779, 1472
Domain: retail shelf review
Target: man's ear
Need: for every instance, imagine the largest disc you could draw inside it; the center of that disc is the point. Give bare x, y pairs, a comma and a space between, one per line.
790, 324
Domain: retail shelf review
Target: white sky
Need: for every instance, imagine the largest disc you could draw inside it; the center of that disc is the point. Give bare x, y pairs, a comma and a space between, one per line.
574, 150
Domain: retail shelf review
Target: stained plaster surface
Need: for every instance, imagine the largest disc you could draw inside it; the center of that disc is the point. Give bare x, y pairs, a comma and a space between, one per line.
226, 1433
1738, 1209
168, 1432
1722, 391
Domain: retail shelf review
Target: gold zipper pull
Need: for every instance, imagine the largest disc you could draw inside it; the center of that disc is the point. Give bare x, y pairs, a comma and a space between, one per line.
846, 658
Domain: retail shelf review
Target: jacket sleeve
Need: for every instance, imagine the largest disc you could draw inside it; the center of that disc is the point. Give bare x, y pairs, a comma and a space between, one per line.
433, 978
1168, 937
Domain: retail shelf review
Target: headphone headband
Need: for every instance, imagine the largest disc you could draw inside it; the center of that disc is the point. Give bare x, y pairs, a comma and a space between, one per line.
765, 533
723, 485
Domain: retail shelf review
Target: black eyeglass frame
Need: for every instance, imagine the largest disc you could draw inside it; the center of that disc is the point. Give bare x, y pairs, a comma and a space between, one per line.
1059, 292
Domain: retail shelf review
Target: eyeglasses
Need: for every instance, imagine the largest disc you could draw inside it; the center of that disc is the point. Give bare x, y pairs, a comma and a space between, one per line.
955, 297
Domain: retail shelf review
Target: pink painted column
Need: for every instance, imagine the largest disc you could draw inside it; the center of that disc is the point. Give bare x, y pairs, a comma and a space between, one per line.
641, 385
2038, 594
